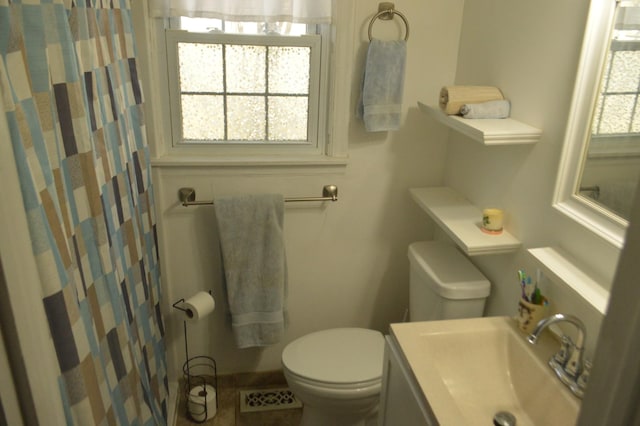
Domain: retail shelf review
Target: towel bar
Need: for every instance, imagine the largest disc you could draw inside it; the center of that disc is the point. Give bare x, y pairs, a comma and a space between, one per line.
187, 196
386, 12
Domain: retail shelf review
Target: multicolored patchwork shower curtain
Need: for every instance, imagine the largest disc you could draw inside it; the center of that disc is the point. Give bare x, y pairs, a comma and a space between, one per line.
73, 102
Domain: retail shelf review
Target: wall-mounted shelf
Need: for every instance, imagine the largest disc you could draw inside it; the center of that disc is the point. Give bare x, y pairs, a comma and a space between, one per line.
506, 131
461, 220
559, 266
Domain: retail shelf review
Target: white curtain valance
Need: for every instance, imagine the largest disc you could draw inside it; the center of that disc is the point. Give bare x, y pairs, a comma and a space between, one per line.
302, 11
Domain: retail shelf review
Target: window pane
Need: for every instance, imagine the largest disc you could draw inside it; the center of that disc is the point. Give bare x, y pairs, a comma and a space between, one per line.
625, 71
202, 117
288, 117
616, 113
200, 67
606, 72
244, 89
595, 125
246, 118
289, 70
245, 68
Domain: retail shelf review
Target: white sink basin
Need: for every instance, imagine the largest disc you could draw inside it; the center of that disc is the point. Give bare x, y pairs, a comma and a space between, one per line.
471, 369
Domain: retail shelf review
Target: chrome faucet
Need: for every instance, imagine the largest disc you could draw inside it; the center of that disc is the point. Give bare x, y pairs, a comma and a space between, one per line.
568, 363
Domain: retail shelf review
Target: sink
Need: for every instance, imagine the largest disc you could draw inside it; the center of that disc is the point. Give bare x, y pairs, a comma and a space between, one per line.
471, 369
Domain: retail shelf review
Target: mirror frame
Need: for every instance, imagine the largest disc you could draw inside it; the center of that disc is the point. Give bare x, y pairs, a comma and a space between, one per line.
594, 217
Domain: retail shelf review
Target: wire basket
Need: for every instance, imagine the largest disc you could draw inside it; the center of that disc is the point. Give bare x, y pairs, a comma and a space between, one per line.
200, 376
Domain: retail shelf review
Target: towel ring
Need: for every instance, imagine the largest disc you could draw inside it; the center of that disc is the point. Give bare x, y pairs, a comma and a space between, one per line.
388, 14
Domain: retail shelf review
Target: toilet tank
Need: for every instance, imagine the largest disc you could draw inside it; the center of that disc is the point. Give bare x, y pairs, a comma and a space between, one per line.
443, 283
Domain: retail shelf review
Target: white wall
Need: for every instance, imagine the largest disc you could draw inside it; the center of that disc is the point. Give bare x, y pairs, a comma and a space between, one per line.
530, 50
347, 260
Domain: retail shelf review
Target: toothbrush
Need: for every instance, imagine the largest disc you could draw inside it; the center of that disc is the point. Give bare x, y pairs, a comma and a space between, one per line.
522, 278
529, 290
537, 295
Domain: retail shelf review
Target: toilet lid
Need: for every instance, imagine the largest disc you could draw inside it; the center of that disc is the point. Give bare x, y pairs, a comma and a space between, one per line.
339, 355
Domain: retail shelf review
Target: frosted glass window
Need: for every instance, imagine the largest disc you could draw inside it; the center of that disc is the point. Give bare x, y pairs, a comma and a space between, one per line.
617, 109
597, 114
246, 118
200, 67
616, 113
245, 68
245, 89
289, 69
625, 72
287, 118
202, 117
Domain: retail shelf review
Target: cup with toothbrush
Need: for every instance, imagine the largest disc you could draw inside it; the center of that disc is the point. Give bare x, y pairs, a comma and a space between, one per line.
533, 305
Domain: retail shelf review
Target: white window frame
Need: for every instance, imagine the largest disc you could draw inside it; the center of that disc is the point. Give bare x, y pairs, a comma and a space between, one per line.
317, 139
338, 43
610, 227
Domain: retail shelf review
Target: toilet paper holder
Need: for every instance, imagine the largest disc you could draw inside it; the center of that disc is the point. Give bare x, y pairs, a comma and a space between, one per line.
197, 371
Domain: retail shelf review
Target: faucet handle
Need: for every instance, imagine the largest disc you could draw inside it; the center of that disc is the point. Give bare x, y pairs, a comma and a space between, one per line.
580, 385
566, 347
583, 379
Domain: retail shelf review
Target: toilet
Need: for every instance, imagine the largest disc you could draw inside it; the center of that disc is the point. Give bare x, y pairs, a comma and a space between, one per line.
443, 283
337, 373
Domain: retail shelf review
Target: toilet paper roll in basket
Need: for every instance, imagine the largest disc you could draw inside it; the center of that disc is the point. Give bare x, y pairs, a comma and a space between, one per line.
198, 306
202, 402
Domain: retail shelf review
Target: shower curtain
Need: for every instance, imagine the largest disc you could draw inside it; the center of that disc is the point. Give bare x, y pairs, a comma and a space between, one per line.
73, 103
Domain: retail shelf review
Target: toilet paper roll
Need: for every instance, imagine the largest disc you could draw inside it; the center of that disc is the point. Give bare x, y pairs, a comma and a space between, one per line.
202, 402
198, 306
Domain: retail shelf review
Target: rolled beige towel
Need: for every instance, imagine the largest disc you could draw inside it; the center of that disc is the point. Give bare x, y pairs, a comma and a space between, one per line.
453, 97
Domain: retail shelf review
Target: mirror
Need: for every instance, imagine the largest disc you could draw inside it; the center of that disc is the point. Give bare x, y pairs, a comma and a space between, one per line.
595, 146
612, 162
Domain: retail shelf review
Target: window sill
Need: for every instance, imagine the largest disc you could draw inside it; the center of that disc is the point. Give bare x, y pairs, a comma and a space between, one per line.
561, 267
248, 161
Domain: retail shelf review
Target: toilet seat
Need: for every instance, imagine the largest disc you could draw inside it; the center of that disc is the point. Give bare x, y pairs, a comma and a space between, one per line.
348, 359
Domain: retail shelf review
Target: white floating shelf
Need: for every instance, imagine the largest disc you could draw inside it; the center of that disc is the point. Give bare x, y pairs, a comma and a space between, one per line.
559, 266
505, 131
462, 221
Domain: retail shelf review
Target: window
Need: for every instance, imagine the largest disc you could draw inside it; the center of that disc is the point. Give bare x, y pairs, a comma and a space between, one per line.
241, 85
618, 106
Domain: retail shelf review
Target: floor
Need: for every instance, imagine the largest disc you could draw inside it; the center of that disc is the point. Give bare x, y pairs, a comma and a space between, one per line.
229, 387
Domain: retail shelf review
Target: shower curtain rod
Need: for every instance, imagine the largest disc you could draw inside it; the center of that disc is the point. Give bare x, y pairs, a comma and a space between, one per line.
187, 196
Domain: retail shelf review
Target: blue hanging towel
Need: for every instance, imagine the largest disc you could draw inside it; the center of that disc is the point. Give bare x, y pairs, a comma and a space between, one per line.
380, 104
254, 262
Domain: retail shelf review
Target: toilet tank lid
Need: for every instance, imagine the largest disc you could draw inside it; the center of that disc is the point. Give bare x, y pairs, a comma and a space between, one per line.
448, 271
338, 355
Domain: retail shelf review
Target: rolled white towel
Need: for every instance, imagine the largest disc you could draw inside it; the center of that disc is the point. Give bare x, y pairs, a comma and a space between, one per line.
490, 109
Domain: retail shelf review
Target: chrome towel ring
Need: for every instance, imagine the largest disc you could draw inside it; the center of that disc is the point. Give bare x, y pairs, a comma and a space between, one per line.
386, 12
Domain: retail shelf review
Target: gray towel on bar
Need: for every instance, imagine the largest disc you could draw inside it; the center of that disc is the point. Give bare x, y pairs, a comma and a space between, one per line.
380, 103
489, 109
254, 262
